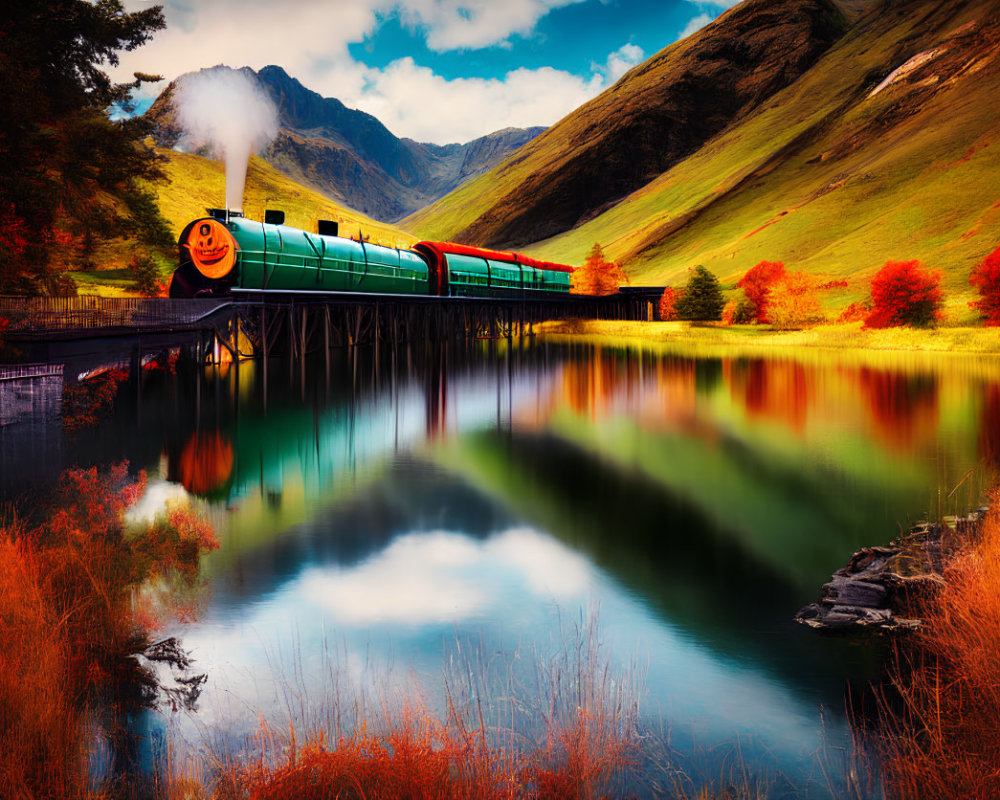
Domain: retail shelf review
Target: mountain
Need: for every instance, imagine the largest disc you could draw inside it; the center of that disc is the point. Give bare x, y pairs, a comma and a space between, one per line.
843, 136
350, 156
194, 183
655, 116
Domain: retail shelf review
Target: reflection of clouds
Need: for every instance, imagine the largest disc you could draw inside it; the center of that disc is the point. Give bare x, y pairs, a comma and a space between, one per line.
427, 578
548, 567
419, 578
332, 639
154, 501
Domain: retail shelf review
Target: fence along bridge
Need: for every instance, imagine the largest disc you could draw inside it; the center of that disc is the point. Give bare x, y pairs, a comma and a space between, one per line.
248, 324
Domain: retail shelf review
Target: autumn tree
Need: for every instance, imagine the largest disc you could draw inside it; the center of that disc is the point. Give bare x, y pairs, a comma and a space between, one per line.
986, 278
792, 302
738, 312
702, 297
67, 168
756, 285
903, 293
667, 302
598, 276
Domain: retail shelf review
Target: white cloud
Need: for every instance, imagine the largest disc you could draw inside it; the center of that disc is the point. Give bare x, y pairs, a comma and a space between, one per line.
253, 33
413, 101
710, 10
695, 24
621, 61
458, 24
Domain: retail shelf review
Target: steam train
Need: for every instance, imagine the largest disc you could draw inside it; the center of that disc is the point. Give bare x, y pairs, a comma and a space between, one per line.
226, 253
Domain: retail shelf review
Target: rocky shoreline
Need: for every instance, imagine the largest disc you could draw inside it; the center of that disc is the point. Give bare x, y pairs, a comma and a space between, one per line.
875, 588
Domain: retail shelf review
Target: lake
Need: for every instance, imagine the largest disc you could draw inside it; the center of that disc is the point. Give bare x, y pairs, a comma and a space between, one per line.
483, 526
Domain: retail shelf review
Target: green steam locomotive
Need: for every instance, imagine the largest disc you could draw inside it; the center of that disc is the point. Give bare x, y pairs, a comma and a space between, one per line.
226, 253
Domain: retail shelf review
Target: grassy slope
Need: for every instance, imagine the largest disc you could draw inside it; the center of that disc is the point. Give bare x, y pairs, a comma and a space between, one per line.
194, 184
819, 177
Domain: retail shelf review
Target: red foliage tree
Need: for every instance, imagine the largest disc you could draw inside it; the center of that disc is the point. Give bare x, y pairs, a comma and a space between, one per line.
756, 285
667, 301
903, 293
986, 278
85, 401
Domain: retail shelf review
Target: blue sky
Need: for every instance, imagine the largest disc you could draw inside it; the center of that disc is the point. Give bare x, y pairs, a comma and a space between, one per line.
433, 70
571, 38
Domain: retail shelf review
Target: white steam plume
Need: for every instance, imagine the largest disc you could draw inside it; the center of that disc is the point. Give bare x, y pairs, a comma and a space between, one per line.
224, 109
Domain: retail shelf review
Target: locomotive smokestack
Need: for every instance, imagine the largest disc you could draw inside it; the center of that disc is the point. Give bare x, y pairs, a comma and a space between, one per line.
227, 111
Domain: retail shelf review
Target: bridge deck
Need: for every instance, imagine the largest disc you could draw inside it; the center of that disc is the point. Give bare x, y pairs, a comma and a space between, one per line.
40, 318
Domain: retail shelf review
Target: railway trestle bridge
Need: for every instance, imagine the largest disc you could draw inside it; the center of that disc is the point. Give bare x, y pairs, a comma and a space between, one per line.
294, 324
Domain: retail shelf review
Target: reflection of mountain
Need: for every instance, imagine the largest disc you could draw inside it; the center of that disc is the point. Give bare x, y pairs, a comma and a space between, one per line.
409, 496
666, 550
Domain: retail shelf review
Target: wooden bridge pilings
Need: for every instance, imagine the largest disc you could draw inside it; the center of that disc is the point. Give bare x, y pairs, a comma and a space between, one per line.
296, 324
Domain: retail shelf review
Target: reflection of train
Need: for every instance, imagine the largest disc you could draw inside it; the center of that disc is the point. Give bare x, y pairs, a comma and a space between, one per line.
226, 252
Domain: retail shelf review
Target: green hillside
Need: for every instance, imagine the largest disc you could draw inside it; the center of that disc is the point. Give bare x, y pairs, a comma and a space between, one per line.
826, 174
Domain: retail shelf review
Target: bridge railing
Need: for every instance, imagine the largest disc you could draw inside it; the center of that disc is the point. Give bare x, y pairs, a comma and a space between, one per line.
40, 315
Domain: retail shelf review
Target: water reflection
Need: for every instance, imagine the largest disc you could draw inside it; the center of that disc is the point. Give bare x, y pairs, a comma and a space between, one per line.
405, 504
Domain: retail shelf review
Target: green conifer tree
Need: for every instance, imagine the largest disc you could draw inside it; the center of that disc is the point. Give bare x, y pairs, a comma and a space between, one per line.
702, 297
66, 165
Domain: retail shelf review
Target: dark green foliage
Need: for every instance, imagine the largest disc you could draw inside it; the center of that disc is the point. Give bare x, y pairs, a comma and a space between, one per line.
64, 162
147, 276
702, 297
150, 225
745, 312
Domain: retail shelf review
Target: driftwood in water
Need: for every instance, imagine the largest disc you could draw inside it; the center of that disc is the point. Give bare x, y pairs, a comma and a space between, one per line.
878, 584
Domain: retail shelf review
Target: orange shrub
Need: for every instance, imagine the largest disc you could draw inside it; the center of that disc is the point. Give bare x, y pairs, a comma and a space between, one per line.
39, 722
792, 301
86, 400
597, 275
855, 312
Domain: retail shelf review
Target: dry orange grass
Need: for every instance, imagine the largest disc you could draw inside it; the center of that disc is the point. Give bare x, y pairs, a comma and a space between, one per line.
564, 728
420, 758
941, 737
67, 628
38, 722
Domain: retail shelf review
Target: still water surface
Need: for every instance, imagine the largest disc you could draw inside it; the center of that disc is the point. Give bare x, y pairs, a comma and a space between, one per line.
398, 524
